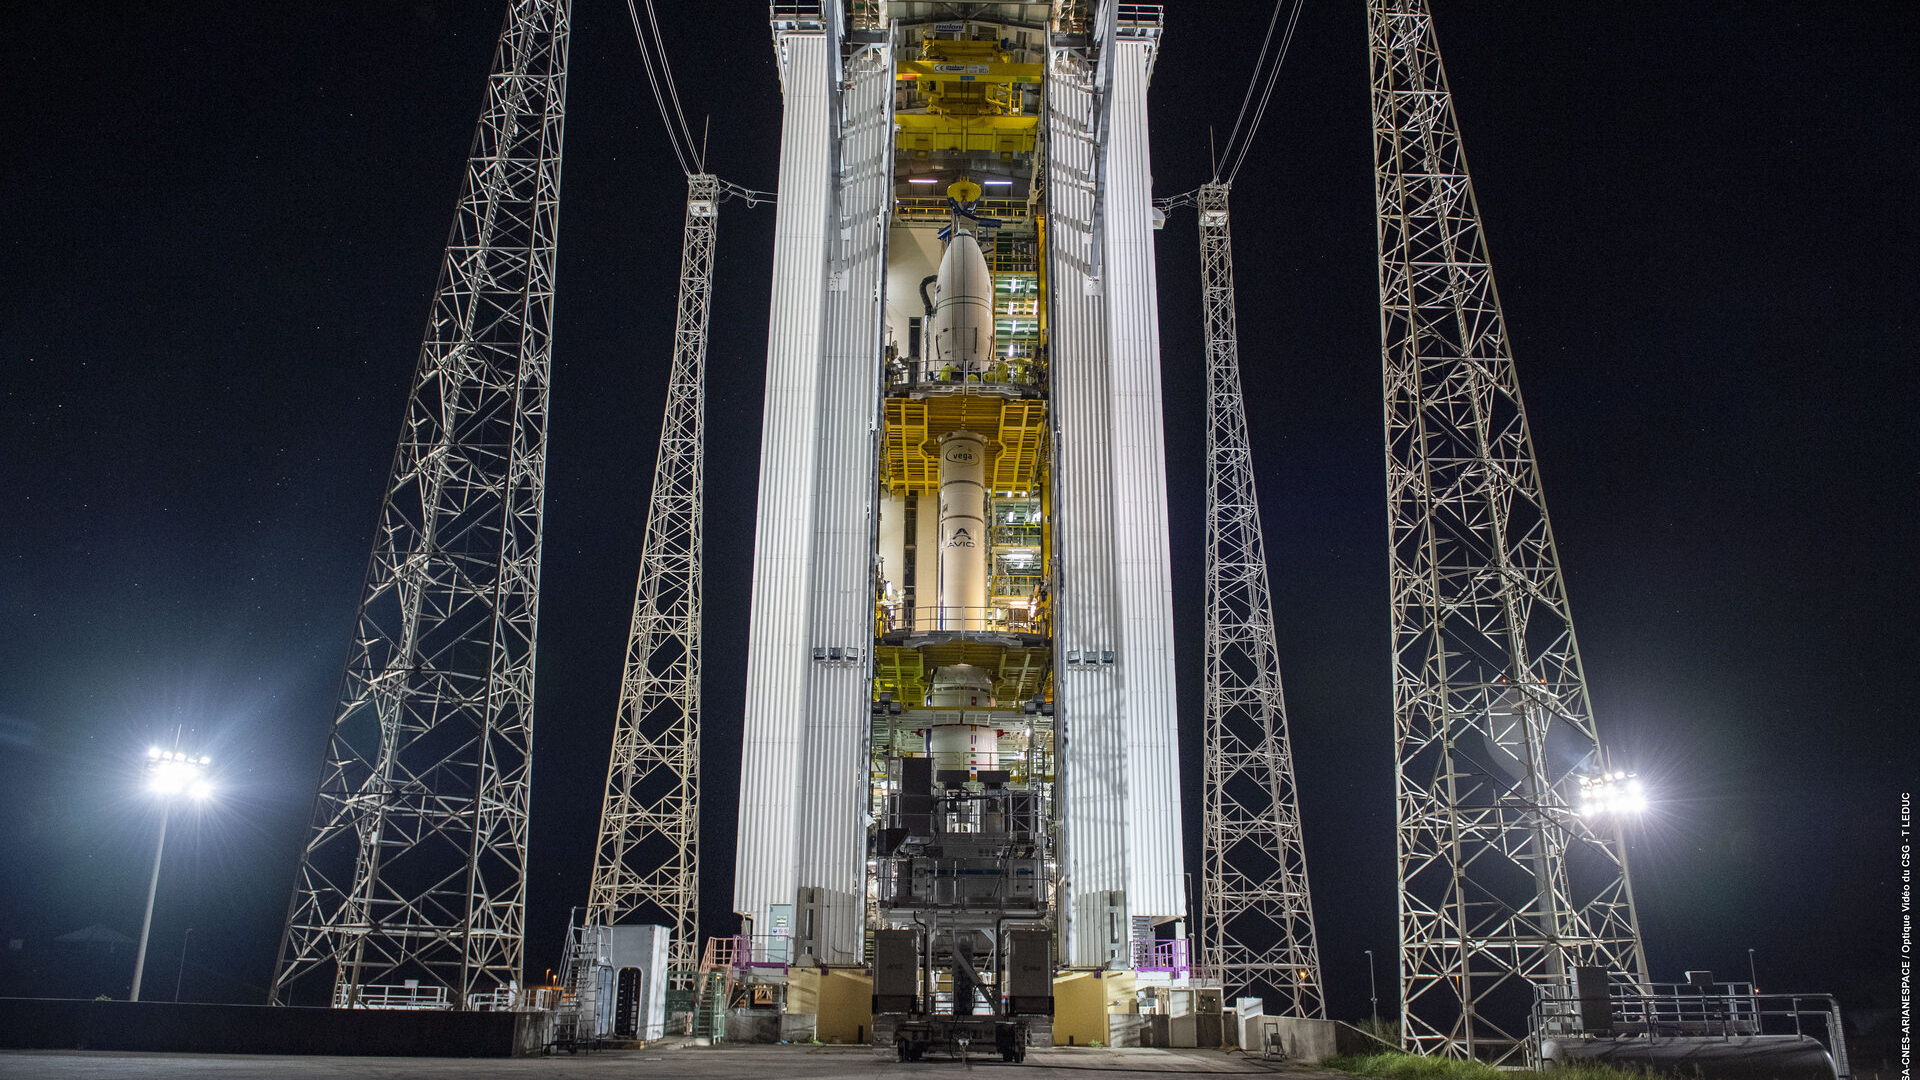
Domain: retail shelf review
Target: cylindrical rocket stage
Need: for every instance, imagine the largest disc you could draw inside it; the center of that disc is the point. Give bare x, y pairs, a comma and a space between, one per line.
963, 531
956, 745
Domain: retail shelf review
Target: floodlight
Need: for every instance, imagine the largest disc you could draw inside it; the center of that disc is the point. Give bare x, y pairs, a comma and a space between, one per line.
169, 773
1614, 792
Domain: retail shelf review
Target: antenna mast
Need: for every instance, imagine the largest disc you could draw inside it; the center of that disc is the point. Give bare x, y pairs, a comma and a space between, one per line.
1256, 921
648, 860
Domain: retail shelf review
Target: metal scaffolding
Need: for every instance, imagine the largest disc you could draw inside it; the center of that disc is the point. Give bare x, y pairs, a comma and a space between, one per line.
415, 868
648, 862
1502, 884
1256, 916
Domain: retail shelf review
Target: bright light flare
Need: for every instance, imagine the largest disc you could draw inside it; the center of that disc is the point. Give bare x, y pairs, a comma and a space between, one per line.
1614, 793
172, 772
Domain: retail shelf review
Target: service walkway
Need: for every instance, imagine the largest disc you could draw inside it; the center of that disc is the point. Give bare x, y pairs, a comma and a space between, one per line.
724, 1063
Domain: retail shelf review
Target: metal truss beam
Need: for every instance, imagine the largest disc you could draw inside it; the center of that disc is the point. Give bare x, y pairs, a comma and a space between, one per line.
415, 866
1502, 885
1256, 921
648, 864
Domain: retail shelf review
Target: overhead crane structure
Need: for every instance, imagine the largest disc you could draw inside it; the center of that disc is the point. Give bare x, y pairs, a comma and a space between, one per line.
959, 738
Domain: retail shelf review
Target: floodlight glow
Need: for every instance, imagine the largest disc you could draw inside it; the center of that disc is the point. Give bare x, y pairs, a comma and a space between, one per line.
171, 772
1615, 792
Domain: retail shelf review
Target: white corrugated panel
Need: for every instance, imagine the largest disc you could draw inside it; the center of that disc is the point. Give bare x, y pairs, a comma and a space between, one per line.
832, 815
778, 647
1089, 694
1142, 567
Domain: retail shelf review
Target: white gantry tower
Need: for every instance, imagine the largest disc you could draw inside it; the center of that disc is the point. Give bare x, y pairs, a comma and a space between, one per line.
1503, 885
961, 588
1256, 916
647, 866
415, 864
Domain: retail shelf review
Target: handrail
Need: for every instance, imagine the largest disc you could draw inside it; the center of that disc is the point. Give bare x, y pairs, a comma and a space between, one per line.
1726, 1010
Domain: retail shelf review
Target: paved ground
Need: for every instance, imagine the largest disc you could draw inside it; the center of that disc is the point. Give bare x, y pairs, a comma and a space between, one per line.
723, 1063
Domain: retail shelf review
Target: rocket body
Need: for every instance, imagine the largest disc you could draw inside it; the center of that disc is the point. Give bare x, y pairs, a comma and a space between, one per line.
963, 308
963, 532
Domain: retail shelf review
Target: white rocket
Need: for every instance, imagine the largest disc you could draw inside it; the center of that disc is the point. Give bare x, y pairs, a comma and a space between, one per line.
963, 307
963, 346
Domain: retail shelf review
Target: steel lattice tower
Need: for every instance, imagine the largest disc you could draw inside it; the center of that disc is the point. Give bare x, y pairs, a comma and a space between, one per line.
415, 867
1502, 885
1256, 916
648, 860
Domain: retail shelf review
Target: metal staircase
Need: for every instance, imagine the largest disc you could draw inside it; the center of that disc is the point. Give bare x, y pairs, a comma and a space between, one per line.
584, 955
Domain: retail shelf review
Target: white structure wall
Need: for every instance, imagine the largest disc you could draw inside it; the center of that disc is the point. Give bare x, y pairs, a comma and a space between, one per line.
779, 647
1121, 796
1142, 565
833, 783
1088, 693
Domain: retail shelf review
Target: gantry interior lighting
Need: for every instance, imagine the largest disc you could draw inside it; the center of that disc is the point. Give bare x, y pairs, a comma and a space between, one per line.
1613, 792
174, 772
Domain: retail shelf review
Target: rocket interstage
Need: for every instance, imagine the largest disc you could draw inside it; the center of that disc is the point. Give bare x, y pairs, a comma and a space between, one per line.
961, 744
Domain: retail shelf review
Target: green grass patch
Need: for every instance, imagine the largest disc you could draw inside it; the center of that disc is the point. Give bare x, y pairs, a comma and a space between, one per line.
1415, 1067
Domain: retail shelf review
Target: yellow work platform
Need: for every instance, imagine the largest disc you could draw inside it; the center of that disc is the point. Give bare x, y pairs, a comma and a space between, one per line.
1015, 429
969, 70
980, 134
1018, 672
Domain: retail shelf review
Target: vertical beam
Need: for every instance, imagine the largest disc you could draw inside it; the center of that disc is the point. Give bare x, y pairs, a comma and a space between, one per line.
1092, 800
1502, 885
1142, 564
779, 645
1120, 767
1256, 921
647, 865
834, 787
415, 866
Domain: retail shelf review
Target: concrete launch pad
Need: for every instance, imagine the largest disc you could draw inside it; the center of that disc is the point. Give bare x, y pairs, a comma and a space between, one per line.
709, 1063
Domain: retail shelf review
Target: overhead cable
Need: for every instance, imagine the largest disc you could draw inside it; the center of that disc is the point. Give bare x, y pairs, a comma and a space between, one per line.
1236, 148
684, 148
673, 91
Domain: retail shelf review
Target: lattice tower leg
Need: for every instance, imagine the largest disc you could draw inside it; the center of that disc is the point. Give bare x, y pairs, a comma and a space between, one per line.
415, 866
648, 865
1256, 921
1502, 885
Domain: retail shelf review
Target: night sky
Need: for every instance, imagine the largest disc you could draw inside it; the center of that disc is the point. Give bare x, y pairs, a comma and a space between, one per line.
228, 223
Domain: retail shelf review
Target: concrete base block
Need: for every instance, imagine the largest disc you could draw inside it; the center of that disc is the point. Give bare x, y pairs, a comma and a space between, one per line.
798, 1027
753, 1026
